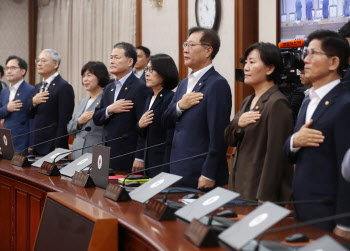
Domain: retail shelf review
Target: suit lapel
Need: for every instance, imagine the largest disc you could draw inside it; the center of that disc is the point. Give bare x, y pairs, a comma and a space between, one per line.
302, 114
159, 100
201, 82
94, 104
326, 102
52, 85
260, 104
126, 86
19, 91
148, 100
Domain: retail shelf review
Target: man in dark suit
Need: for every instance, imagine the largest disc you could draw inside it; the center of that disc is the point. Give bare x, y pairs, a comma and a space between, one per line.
14, 100
52, 102
143, 54
121, 107
321, 135
200, 112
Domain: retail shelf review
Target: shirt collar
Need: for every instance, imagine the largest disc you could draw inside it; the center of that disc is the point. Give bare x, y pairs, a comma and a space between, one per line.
322, 91
16, 86
51, 78
198, 74
123, 79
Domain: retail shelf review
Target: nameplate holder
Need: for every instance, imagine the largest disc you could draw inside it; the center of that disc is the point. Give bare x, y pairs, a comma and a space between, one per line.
82, 180
20, 160
159, 210
49, 169
201, 235
116, 193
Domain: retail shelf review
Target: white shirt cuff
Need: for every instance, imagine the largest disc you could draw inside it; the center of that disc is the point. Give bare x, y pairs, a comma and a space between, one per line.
106, 114
207, 178
178, 110
140, 160
344, 228
293, 149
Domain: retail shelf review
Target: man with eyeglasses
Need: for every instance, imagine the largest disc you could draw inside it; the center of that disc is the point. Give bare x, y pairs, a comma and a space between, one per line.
122, 105
14, 99
52, 102
322, 135
200, 112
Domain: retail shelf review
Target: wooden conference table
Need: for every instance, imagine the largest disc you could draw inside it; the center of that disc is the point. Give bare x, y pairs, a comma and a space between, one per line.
23, 192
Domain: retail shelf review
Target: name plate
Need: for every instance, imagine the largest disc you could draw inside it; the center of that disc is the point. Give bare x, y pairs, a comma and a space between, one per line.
82, 180
49, 169
20, 160
201, 234
116, 193
158, 210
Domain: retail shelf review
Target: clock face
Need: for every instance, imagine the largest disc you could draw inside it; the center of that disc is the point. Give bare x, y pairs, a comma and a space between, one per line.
207, 13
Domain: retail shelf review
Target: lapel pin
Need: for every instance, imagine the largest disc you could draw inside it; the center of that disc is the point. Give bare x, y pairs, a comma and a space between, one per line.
256, 107
17, 94
126, 88
112, 90
200, 84
161, 95
53, 84
97, 103
326, 103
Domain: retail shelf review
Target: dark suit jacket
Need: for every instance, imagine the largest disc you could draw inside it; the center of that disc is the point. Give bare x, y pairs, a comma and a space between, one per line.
143, 77
58, 109
118, 124
259, 169
201, 129
318, 169
12, 118
157, 133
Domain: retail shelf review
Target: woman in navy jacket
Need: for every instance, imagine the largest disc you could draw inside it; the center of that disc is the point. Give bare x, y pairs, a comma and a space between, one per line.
162, 76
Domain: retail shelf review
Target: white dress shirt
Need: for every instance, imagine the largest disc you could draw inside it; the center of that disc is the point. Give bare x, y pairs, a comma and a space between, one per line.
315, 97
138, 74
193, 79
118, 86
49, 80
13, 90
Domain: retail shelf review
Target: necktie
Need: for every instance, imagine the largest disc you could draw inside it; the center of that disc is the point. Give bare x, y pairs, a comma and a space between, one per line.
43, 88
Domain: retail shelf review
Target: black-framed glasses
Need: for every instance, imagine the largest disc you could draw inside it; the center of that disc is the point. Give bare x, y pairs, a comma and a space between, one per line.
190, 45
311, 53
12, 68
148, 69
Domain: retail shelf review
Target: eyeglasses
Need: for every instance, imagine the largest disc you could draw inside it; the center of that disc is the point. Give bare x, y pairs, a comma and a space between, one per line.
12, 68
40, 60
190, 45
148, 69
311, 53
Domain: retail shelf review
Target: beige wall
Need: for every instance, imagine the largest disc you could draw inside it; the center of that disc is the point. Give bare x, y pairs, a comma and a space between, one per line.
160, 28
13, 30
267, 21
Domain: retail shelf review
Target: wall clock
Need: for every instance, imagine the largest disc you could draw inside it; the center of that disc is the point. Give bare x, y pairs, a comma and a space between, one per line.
208, 13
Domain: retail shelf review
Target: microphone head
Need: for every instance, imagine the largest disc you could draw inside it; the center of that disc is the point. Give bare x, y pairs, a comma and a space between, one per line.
88, 128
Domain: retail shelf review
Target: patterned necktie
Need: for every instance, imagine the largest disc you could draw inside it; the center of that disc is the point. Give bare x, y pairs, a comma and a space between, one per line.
43, 87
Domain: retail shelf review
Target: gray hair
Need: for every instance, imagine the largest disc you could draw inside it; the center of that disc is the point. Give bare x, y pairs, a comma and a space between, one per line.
54, 56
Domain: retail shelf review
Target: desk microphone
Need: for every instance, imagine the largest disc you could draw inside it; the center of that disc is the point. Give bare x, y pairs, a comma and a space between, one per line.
301, 224
14, 125
124, 136
123, 195
88, 128
169, 163
19, 135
